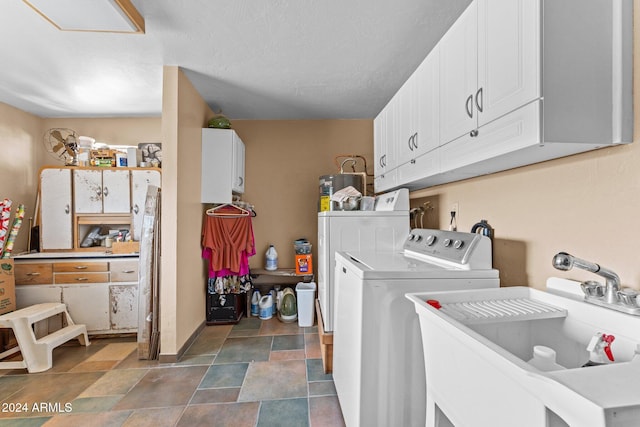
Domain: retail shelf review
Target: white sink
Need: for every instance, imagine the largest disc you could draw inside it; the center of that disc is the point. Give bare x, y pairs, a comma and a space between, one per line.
476, 364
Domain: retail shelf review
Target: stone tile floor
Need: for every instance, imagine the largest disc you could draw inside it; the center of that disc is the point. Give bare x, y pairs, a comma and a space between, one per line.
255, 373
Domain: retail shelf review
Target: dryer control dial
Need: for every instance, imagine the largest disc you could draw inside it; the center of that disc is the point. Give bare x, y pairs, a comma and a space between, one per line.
446, 243
431, 239
458, 244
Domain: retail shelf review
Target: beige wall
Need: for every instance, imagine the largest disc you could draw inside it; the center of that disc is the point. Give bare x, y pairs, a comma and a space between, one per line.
284, 160
22, 155
182, 283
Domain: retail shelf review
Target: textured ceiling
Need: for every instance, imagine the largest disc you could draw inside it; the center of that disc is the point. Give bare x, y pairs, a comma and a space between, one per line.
252, 59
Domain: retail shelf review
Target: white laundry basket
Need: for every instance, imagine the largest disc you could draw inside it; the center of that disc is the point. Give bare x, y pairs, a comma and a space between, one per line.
306, 294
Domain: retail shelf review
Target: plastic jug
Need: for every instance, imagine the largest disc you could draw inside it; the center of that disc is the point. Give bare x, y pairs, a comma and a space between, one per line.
255, 300
271, 259
266, 307
544, 358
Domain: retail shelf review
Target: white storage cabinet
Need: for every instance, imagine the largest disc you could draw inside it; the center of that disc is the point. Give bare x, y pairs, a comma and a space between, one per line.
223, 154
101, 191
56, 215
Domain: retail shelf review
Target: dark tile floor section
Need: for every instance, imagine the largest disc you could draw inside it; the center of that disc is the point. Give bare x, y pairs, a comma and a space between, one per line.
255, 373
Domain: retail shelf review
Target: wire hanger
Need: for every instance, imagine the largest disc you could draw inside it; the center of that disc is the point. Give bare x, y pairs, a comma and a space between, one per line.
224, 211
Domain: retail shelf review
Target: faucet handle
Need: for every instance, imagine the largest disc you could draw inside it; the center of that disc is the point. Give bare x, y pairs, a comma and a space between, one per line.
592, 288
628, 296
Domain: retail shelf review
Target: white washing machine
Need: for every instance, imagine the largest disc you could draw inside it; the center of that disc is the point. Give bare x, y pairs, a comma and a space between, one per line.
383, 229
378, 362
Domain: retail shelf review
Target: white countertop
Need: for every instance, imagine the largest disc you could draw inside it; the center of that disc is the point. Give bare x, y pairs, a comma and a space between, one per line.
87, 254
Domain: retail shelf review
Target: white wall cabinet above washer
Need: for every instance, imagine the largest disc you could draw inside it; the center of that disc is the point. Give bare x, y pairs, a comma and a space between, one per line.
223, 165
513, 70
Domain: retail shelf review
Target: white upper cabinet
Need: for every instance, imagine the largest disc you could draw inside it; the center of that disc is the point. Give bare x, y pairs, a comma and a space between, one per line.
508, 57
56, 215
101, 191
459, 76
223, 165
490, 64
520, 82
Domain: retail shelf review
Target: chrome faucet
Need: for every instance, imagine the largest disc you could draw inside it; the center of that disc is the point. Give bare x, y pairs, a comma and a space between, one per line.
564, 261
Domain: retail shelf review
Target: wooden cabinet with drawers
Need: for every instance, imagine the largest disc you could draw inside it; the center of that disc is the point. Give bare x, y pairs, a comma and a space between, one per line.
100, 292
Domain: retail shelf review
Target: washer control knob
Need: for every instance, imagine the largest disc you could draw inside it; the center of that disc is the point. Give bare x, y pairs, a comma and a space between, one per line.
447, 242
412, 237
458, 244
418, 238
431, 239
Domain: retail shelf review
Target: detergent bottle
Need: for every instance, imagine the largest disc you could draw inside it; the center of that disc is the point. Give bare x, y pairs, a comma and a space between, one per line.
271, 259
255, 301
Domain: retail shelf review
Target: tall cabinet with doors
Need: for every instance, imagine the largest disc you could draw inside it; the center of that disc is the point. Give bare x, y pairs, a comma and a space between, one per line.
99, 287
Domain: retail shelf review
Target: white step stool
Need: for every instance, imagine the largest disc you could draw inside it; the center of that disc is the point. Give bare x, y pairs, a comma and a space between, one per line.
37, 354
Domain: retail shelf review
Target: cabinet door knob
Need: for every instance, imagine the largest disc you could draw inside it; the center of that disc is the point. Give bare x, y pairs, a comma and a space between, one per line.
473, 133
67, 209
136, 209
114, 306
469, 106
99, 191
105, 191
413, 161
479, 100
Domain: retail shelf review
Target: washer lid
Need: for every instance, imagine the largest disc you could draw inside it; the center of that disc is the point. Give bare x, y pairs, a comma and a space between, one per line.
396, 265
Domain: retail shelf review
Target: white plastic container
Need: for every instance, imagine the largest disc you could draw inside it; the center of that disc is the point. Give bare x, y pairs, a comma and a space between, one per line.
306, 293
544, 359
266, 307
255, 301
271, 259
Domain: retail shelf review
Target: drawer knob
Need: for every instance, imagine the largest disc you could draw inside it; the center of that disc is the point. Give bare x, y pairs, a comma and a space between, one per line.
80, 267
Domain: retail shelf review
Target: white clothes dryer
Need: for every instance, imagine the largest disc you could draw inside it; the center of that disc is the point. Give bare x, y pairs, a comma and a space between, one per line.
378, 362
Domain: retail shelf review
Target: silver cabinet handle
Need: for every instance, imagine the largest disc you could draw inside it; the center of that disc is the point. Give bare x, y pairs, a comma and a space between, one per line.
128, 271
67, 209
473, 133
469, 106
105, 191
99, 191
81, 279
479, 100
35, 273
240, 180
136, 209
80, 267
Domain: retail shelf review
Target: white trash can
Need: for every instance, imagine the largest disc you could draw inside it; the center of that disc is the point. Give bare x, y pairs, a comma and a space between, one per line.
306, 295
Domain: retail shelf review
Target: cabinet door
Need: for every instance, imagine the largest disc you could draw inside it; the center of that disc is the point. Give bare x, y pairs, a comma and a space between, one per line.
217, 166
508, 56
87, 191
140, 180
458, 76
379, 135
88, 305
406, 113
56, 220
427, 104
238, 162
116, 192
123, 313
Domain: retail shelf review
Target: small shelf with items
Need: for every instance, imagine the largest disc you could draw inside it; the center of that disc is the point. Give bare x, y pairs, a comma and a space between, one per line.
100, 230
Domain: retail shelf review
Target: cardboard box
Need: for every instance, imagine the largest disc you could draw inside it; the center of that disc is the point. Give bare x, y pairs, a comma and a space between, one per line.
7, 286
125, 247
304, 264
